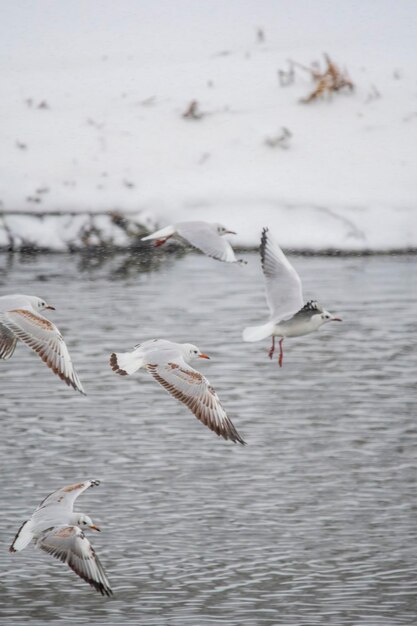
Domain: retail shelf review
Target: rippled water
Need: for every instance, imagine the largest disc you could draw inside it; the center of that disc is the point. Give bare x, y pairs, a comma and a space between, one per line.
313, 522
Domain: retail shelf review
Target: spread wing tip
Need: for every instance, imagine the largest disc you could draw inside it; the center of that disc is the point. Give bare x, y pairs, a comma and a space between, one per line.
101, 587
230, 434
72, 380
105, 590
74, 383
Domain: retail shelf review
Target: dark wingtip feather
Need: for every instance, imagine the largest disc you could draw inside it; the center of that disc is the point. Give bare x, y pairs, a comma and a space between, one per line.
236, 438
264, 240
11, 549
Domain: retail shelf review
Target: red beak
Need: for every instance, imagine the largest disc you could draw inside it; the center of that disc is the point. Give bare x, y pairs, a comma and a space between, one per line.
50, 307
337, 319
203, 356
94, 527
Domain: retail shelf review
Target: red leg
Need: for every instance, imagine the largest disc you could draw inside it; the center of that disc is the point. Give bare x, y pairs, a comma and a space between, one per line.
272, 350
160, 242
281, 353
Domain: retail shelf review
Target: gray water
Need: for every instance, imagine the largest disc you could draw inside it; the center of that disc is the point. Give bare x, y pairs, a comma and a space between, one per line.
313, 522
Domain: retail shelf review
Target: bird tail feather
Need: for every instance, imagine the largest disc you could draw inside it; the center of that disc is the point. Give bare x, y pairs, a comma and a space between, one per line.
256, 333
126, 363
163, 233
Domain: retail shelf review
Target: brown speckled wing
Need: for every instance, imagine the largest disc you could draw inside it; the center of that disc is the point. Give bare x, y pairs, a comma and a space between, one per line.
44, 338
70, 545
194, 390
7, 342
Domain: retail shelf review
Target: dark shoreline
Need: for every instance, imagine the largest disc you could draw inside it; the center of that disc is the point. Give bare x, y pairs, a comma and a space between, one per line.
140, 249
133, 229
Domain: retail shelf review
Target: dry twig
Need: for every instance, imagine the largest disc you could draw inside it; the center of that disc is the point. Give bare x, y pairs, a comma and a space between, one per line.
192, 112
286, 78
332, 79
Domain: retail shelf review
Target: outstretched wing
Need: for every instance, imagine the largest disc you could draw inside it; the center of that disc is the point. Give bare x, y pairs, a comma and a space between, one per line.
283, 285
7, 342
66, 496
194, 390
70, 545
44, 338
204, 238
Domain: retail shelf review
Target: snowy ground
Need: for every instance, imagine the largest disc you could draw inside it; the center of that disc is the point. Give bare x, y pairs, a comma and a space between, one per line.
91, 119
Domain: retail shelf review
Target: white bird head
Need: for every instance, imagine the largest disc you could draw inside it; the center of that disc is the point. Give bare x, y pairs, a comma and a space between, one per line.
325, 317
222, 230
191, 352
38, 304
83, 521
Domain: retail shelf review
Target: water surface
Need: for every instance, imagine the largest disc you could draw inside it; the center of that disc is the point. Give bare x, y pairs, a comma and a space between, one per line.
312, 523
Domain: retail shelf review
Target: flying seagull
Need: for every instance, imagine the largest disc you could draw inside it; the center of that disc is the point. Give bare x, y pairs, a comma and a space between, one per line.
169, 364
57, 530
202, 235
289, 316
20, 319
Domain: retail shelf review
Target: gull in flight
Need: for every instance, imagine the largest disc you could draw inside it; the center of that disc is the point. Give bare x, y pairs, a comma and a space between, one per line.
169, 364
20, 318
289, 316
202, 235
57, 530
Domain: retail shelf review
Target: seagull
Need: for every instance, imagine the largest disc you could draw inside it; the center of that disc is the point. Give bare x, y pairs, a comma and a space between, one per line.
20, 319
290, 317
169, 364
57, 530
202, 235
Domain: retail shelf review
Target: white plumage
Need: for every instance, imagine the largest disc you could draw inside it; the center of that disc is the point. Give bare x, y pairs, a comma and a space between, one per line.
20, 319
169, 364
202, 235
284, 295
57, 530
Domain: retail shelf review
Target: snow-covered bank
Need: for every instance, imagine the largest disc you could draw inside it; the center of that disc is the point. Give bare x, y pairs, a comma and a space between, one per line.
92, 120
69, 232
306, 229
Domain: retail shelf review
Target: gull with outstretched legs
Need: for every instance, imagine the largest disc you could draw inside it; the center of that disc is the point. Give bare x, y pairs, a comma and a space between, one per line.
289, 316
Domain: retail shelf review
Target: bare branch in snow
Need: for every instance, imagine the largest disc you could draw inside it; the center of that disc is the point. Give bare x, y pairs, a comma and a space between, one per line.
286, 78
331, 80
374, 94
192, 112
